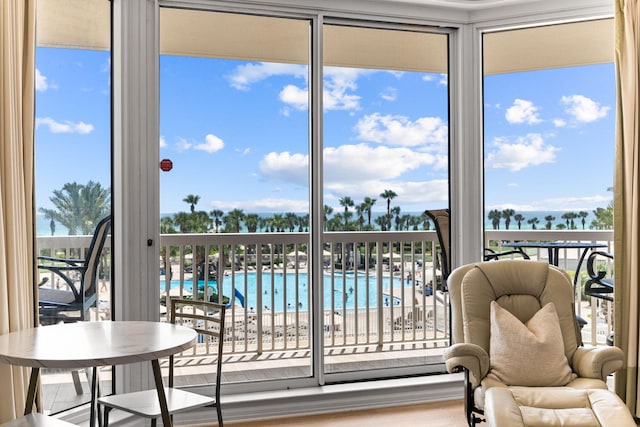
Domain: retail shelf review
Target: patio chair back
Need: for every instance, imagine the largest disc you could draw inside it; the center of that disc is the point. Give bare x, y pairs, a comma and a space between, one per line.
54, 302
440, 218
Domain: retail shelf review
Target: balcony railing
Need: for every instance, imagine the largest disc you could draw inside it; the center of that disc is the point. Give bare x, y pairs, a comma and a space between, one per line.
380, 290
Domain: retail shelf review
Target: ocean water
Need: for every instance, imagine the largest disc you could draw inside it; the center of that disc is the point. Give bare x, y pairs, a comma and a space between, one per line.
43, 227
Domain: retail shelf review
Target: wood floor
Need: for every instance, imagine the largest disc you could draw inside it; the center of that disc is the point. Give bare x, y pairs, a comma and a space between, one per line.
440, 414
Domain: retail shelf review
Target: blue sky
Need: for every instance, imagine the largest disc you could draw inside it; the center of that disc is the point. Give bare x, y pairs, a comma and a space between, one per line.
237, 133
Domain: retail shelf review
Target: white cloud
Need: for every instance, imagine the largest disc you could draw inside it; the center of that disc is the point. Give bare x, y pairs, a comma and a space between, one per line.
362, 163
522, 111
337, 94
65, 127
355, 164
389, 94
211, 145
41, 81
526, 151
583, 109
559, 123
163, 142
400, 131
286, 167
183, 144
339, 86
412, 195
443, 79
297, 97
245, 75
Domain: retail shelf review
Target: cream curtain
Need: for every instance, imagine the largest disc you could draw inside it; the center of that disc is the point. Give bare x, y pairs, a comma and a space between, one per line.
626, 199
17, 70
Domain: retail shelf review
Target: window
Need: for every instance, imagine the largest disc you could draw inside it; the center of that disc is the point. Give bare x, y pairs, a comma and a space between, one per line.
549, 138
73, 167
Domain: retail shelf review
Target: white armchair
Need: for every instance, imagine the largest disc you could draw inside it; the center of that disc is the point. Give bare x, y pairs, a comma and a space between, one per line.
514, 330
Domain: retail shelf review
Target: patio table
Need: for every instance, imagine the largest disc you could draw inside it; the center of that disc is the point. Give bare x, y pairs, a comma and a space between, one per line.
91, 344
554, 251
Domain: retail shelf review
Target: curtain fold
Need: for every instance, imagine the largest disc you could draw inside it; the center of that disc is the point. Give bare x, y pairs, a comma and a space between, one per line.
17, 71
626, 199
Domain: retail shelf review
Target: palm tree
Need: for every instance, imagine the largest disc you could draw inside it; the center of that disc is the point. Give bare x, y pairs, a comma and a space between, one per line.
347, 202
192, 200
583, 217
518, 218
181, 219
569, 217
303, 223
395, 211
368, 203
604, 218
388, 195
291, 220
328, 210
549, 219
277, 223
382, 222
406, 220
495, 215
360, 209
252, 221
79, 207
507, 214
167, 225
217, 214
233, 220
533, 221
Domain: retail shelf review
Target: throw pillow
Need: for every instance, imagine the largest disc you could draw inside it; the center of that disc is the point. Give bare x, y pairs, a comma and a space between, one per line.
529, 355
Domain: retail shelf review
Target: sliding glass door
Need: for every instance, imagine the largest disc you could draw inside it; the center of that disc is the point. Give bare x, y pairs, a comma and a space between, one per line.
385, 157
234, 184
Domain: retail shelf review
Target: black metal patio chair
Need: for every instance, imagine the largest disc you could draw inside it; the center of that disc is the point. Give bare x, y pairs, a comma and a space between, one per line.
72, 301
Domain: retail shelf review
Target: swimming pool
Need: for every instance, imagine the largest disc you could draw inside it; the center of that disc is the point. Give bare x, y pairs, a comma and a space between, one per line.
278, 290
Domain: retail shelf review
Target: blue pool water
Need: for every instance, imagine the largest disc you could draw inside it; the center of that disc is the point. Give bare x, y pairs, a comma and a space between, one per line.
342, 292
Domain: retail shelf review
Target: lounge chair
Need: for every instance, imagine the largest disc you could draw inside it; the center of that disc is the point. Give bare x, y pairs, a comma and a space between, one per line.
73, 302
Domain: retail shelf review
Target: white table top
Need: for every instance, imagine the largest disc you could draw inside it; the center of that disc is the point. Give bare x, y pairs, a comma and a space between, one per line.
87, 344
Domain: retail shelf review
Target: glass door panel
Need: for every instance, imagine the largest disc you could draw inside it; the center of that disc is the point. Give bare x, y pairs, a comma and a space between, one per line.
234, 185
385, 158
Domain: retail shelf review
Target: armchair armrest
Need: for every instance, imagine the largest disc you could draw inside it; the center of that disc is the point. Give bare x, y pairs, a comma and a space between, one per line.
597, 362
469, 356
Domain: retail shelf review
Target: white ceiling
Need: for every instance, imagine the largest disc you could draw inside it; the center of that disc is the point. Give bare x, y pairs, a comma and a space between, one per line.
460, 4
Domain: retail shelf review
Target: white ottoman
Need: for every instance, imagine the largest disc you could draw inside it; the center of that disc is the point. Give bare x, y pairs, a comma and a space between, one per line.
555, 406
